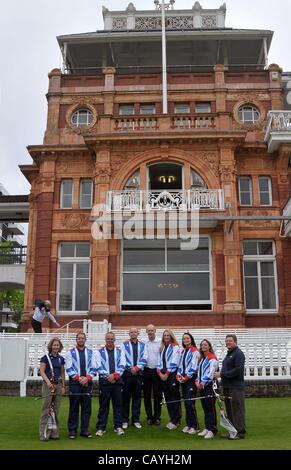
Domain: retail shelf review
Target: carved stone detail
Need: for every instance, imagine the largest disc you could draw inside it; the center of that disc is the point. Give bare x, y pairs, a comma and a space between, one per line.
259, 223
103, 175
228, 172
208, 21
75, 221
211, 159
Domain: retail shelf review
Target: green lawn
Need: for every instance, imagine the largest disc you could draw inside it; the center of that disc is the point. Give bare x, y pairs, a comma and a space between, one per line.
268, 424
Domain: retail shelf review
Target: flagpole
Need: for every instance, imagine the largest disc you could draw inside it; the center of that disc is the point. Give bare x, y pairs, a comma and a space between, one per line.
164, 56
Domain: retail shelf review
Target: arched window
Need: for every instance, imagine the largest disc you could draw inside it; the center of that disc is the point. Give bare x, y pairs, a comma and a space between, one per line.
197, 181
134, 181
248, 114
82, 118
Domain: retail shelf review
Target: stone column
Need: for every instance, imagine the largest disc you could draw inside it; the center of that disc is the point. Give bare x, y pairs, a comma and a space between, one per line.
232, 250
275, 74
100, 248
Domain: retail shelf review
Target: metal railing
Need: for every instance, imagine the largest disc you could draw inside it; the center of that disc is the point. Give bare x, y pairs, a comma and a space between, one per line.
13, 254
183, 200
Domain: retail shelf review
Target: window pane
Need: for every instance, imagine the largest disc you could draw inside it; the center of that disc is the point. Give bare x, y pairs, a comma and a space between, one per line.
250, 247
267, 269
264, 184
66, 270
67, 187
245, 199
67, 201
187, 260
244, 184
250, 268
182, 108
266, 248
82, 294
86, 187
144, 255
268, 293
83, 250
265, 199
126, 109
203, 108
147, 109
252, 293
66, 295
165, 287
68, 250
82, 270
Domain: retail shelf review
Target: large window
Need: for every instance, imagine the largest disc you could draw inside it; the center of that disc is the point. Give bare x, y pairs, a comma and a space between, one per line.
245, 191
126, 109
260, 283
159, 272
265, 189
182, 108
86, 187
248, 114
66, 194
82, 118
73, 277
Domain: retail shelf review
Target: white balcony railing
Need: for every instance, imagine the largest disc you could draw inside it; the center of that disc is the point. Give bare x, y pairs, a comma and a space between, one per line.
183, 200
278, 129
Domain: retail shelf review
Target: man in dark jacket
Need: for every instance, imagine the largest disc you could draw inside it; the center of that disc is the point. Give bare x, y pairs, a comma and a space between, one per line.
232, 379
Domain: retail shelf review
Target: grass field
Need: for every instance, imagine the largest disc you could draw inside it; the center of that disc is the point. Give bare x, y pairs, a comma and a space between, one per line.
268, 425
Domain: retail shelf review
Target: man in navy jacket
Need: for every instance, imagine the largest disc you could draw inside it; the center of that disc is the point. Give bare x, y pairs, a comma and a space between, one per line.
232, 379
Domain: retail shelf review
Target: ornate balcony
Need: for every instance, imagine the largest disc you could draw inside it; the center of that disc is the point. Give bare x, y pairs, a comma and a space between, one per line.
183, 200
278, 130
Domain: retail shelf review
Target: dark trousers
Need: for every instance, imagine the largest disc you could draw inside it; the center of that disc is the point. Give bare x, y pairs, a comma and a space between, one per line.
189, 390
109, 392
209, 409
235, 409
75, 403
131, 393
36, 325
152, 389
171, 392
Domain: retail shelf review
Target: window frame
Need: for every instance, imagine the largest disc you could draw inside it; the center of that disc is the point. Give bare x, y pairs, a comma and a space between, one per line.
240, 192
123, 105
62, 193
181, 112
201, 103
265, 192
85, 180
89, 122
259, 259
145, 105
73, 260
243, 108
174, 302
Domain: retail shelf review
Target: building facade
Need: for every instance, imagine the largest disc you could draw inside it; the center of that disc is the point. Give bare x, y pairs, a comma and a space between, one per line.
222, 145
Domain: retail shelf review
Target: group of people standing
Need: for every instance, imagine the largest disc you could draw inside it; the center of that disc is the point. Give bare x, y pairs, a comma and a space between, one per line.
159, 368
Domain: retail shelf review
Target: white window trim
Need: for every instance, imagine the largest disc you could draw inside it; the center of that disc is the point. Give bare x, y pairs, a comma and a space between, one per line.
254, 109
269, 191
149, 104
121, 105
176, 302
86, 180
62, 193
71, 260
182, 112
245, 192
77, 113
259, 259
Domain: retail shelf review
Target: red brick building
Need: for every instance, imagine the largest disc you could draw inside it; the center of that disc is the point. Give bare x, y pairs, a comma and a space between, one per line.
222, 143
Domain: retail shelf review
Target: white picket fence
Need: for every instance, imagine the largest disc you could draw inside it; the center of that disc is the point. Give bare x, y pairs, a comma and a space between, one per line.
267, 351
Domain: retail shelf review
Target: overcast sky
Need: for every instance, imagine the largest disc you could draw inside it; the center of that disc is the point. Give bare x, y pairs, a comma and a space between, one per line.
28, 51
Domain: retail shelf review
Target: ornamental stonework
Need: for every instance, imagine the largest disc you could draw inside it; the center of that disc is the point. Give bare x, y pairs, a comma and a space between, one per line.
208, 21
259, 223
102, 175
210, 158
228, 173
119, 23
75, 221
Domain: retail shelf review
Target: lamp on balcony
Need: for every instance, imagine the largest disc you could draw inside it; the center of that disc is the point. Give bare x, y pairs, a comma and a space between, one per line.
167, 179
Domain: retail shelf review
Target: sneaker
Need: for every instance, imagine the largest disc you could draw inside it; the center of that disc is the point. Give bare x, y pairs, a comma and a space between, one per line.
42, 438
137, 425
186, 429
72, 436
203, 433
86, 434
157, 422
209, 435
171, 426
193, 431
119, 431
150, 422
124, 425
100, 432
